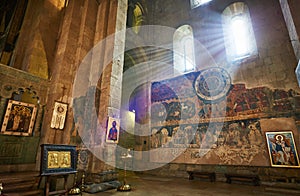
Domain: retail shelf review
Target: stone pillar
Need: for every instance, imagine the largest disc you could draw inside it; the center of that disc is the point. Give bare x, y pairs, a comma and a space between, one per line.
112, 22
290, 10
76, 37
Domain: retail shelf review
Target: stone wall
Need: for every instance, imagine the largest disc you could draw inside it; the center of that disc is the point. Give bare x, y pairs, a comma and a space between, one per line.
292, 22
19, 153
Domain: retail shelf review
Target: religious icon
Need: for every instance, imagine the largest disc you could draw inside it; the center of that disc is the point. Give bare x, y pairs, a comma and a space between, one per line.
65, 159
282, 149
19, 118
112, 132
59, 115
57, 159
53, 159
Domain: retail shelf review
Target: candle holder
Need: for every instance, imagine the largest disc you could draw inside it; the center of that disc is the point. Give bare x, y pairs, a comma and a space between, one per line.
82, 187
75, 190
1, 188
82, 160
125, 186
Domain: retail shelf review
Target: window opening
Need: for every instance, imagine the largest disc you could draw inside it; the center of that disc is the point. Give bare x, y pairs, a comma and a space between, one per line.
183, 46
238, 33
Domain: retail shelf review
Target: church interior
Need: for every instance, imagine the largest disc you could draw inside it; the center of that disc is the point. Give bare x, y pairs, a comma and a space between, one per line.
101, 97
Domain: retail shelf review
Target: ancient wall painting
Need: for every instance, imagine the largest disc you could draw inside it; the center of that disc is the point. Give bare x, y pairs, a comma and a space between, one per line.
215, 121
237, 142
169, 98
282, 149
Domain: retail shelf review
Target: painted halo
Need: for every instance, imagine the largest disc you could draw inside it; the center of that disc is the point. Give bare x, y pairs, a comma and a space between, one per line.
212, 84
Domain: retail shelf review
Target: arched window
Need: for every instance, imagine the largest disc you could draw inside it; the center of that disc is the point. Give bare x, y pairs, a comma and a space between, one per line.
183, 46
197, 3
238, 32
135, 15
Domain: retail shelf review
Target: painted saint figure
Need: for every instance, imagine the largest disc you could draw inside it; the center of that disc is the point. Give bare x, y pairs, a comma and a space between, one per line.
113, 132
282, 150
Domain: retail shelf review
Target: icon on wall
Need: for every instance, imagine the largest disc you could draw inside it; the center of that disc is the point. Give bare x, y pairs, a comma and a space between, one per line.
19, 118
282, 149
58, 159
113, 129
59, 115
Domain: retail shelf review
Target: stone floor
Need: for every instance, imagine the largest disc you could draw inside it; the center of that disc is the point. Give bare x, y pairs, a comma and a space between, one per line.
144, 185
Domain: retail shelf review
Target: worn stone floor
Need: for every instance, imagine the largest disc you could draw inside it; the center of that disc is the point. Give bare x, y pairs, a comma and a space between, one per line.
144, 185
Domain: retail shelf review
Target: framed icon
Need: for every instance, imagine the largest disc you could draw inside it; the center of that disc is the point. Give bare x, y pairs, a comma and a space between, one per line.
58, 159
113, 130
282, 149
19, 118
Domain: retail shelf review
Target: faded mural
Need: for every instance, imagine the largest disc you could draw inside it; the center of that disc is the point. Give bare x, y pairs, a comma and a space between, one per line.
222, 131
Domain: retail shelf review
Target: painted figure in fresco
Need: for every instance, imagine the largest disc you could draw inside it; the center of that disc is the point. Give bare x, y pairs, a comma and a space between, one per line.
187, 109
207, 139
254, 135
189, 134
113, 132
174, 135
156, 138
154, 142
174, 111
197, 138
233, 136
165, 139
221, 139
218, 135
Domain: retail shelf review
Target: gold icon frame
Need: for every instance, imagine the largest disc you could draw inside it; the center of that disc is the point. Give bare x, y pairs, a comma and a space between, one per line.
58, 159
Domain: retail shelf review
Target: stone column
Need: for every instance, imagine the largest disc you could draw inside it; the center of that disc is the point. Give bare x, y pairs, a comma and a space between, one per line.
290, 10
76, 37
112, 23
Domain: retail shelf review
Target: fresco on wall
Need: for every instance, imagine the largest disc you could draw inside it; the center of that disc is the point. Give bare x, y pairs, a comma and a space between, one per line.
259, 101
237, 142
169, 103
222, 131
